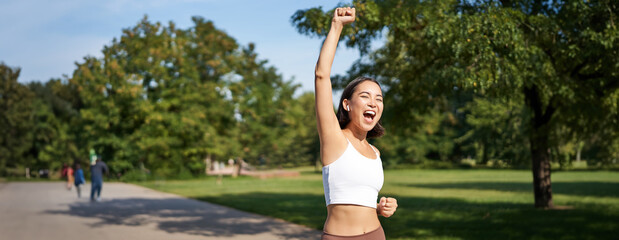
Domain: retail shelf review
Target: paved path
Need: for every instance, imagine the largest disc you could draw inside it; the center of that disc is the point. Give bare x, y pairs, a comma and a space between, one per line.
46, 210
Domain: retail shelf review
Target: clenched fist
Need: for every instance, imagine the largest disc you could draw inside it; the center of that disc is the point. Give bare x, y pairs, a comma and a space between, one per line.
386, 206
344, 15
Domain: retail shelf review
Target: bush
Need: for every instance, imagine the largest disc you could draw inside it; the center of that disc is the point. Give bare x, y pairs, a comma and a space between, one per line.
497, 163
428, 164
467, 163
135, 176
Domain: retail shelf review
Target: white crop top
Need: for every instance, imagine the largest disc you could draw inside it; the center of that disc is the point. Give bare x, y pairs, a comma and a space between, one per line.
353, 179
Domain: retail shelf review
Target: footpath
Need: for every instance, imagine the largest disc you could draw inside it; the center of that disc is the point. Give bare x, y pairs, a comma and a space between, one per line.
47, 210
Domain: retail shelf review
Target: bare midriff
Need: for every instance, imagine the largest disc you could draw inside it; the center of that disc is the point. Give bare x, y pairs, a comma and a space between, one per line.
350, 220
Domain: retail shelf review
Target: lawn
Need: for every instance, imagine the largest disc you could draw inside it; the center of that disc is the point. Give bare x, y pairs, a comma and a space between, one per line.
437, 204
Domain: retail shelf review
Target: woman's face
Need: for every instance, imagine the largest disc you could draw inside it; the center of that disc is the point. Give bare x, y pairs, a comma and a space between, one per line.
366, 105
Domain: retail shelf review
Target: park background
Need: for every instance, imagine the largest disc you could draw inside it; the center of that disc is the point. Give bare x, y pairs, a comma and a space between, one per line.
501, 88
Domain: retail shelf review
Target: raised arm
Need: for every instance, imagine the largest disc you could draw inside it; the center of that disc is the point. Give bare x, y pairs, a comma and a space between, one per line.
331, 136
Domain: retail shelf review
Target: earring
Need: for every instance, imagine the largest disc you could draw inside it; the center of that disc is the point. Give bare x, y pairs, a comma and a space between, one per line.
348, 108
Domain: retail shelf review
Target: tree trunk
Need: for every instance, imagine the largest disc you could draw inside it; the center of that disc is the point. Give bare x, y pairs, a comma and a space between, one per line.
539, 148
541, 168
208, 161
239, 163
579, 150
484, 156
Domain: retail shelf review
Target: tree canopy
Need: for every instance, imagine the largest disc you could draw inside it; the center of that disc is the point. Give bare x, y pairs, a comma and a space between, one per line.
161, 99
558, 59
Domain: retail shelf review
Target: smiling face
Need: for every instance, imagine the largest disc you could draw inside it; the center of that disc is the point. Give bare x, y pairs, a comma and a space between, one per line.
364, 106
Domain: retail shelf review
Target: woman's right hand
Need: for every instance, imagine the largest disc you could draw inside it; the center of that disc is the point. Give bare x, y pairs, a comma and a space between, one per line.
387, 206
344, 15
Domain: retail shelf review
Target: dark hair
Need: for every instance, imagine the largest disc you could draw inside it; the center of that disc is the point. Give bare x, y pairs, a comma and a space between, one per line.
342, 116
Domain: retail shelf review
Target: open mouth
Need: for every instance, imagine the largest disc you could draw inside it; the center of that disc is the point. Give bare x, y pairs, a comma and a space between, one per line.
369, 115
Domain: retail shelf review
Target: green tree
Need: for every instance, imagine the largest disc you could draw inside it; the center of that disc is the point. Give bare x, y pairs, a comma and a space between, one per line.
15, 119
560, 57
268, 113
166, 99
304, 147
497, 131
158, 93
53, 141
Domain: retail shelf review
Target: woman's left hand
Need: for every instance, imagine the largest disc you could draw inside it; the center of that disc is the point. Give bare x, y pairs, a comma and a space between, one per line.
387, 206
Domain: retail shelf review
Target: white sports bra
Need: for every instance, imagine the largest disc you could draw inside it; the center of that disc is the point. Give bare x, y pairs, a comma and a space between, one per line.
353, 179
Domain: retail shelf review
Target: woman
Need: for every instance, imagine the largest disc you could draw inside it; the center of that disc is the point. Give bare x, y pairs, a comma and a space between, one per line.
352, 169
79, 179
69, 177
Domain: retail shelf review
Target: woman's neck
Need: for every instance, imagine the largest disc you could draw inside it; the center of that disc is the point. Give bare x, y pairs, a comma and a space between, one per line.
356, 134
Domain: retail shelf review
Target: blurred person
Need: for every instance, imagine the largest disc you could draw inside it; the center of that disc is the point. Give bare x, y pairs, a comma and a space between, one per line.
92, 156
70, 177
63, 171
96, 178
79, 179
352, 170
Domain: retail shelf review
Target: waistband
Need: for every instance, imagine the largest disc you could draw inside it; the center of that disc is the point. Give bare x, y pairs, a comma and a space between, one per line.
377, 234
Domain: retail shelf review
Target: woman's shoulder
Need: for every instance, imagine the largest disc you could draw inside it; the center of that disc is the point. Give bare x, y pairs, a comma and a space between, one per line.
375, 149
333, 149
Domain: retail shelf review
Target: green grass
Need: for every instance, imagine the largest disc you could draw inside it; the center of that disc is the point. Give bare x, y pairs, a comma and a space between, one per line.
437, 204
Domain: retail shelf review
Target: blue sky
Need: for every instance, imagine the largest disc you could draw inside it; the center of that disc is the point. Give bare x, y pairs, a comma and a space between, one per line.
46, 38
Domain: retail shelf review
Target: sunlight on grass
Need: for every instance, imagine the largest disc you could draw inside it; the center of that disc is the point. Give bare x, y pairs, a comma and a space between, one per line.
436, 204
